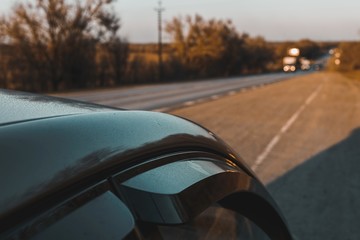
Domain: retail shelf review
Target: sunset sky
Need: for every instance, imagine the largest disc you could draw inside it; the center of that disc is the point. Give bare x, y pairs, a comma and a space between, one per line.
276, 20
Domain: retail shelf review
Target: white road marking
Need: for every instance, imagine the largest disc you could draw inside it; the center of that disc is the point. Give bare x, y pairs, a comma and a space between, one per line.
260, 159
189, 103
214, 97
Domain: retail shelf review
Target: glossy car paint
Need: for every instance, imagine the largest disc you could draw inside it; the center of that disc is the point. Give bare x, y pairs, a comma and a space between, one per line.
52, 149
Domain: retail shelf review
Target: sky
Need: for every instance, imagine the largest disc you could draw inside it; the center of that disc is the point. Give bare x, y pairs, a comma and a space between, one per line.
275, 20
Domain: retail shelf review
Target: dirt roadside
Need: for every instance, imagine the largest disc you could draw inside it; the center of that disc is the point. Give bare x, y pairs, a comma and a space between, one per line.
302, 136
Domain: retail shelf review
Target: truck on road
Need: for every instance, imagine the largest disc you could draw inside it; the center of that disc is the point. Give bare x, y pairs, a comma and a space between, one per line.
289, 64
293, 61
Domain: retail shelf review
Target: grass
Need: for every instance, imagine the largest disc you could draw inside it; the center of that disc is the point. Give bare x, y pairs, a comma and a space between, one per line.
355, 74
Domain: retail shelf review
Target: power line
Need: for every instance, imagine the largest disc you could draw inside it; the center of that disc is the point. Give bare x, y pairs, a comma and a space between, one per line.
159, 10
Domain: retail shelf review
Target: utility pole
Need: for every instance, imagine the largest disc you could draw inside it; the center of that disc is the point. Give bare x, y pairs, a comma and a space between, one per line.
159, 10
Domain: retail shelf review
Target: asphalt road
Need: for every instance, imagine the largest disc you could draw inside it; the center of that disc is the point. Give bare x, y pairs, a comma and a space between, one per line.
162, 97
302, 138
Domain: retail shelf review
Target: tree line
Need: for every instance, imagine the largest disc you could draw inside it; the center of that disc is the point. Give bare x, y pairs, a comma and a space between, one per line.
49, 45
209, 48
345, 57
54, 45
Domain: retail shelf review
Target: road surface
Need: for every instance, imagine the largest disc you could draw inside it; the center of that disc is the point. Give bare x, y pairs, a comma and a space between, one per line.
302, 138
163, 97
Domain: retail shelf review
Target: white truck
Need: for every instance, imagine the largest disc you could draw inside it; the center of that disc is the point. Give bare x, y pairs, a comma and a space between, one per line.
289, 64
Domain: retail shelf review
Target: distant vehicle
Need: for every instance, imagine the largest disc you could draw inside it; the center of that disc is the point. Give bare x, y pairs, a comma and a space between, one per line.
318, 67
289, 64
294, 61
305, 64
75, 170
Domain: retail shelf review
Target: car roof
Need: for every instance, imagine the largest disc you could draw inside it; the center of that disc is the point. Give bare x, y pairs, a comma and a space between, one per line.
49, 146
20, 106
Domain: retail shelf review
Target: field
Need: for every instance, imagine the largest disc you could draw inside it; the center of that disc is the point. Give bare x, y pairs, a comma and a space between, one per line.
352, 74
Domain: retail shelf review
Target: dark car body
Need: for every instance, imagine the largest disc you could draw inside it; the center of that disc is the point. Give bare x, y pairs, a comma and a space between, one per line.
74, 170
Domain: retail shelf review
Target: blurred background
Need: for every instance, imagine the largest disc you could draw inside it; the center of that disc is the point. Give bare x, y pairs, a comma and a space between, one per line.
49, 46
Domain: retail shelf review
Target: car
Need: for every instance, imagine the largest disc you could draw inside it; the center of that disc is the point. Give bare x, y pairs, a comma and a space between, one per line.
76, 170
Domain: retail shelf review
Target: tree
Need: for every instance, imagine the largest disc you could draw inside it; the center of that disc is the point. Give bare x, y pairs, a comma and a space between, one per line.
207, 48
56, 40
215, 48
258, 54
348, 54
118, 52
309, 49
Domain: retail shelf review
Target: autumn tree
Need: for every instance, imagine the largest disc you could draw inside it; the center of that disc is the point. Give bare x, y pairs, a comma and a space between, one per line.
205, 47
4, 63
55, 40
214, 47
347, 54
310, 49
118, 52
258, 54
